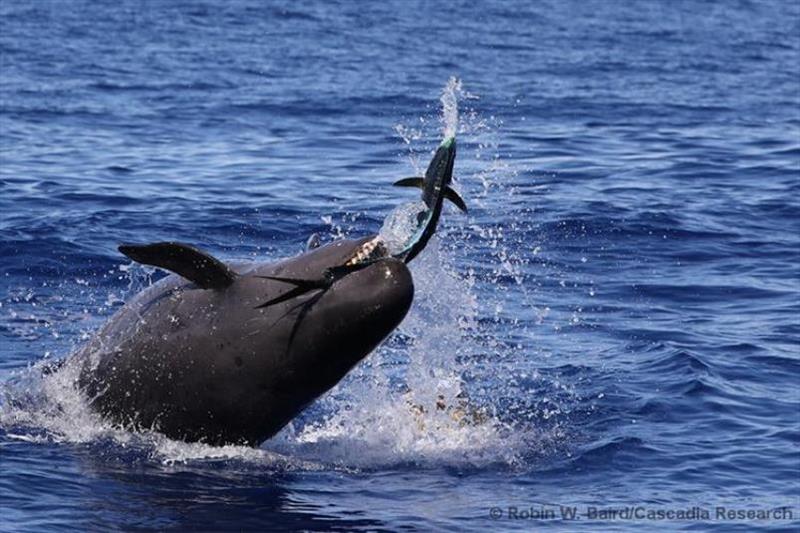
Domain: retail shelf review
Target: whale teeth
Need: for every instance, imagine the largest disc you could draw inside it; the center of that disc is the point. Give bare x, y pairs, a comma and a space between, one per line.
364, 252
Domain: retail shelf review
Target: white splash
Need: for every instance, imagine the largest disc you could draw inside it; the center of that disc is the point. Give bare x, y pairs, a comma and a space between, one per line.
418, 399
401, 224
449, 100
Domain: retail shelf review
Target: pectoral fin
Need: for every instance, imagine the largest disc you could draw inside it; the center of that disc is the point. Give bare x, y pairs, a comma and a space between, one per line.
419, 183
453, 196
204, 270
301, 287
414, 181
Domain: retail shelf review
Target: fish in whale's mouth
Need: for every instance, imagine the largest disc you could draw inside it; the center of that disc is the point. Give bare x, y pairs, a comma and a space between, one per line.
435, 188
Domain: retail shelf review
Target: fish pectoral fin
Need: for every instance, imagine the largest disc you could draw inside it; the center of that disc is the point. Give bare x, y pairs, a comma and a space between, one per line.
454, 197
414, 181
205, 270
449, 193
288, 295
301, 287
299, 282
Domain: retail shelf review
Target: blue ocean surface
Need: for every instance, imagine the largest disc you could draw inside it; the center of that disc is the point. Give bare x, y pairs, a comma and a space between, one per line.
620, 303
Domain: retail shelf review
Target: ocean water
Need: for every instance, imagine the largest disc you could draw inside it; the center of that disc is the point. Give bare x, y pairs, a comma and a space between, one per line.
620, 304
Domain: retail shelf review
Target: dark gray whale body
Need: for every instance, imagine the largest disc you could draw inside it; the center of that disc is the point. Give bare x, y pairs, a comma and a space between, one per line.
204, 364
230, 354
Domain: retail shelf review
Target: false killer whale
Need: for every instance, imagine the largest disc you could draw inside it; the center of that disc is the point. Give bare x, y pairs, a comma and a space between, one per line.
224, 353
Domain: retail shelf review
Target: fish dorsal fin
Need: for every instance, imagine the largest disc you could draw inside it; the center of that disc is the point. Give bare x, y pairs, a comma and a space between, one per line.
449, 193
197, 266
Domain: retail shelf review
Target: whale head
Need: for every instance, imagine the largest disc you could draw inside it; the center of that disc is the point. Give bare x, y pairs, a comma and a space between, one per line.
304, 345
338, 323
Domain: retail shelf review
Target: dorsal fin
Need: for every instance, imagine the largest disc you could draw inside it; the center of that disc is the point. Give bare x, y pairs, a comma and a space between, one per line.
313, 241
197, 266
